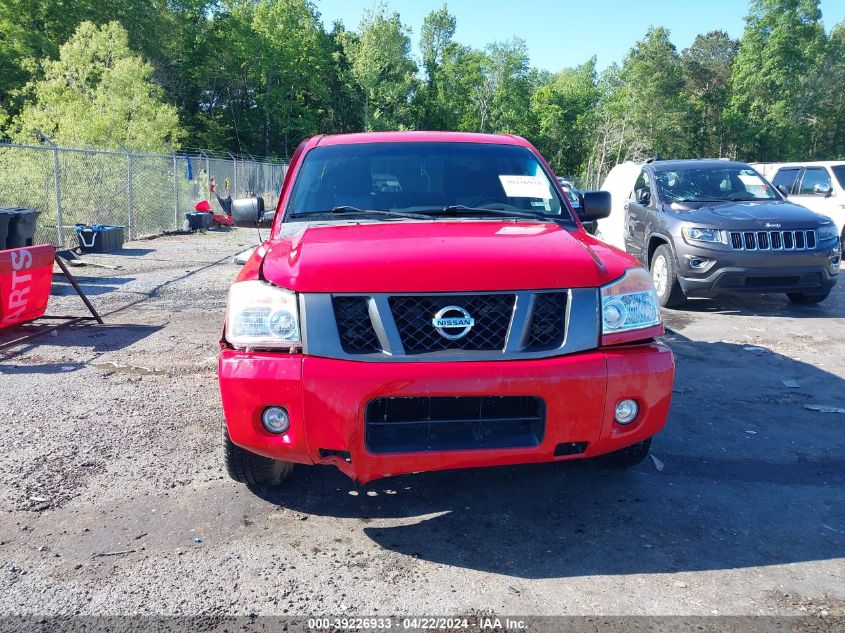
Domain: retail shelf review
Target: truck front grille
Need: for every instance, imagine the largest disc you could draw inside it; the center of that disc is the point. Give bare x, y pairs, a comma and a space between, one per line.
481, 326
773, 240
426, 424
357, 335
548, 321
413, 316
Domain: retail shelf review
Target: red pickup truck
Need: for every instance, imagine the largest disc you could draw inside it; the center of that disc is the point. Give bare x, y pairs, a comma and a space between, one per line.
430, 300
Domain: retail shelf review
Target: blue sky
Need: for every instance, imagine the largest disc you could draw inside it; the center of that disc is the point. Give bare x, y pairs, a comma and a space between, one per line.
562, 33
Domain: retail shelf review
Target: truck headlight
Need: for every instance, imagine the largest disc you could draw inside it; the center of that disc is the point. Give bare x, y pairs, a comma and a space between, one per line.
262, 316
827, 232
694, 234
629, 303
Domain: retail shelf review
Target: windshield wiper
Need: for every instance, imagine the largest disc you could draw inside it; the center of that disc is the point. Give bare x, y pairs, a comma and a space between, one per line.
457, 209
349, 210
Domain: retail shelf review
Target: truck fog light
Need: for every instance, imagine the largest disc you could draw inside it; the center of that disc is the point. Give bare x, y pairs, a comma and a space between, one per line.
626, 411
275, 419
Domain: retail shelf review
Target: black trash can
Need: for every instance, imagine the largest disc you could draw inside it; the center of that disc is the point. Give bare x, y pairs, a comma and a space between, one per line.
198, 220
22, 228
98, 238
5, 218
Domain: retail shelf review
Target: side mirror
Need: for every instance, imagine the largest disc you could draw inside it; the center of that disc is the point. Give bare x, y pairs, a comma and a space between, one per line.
643, 196
247, 212
822, 190
784, 190
595, 205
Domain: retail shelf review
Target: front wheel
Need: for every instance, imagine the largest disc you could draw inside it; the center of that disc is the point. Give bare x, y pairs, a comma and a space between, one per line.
664, 273
626, 457
806, 298
256, 471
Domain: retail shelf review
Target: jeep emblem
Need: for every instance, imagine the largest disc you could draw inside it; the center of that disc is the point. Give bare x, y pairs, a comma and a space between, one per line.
452, 318
771, 225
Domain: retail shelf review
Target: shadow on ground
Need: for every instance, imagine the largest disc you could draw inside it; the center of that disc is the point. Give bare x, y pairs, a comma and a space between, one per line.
87, 337
91, 286
767, 305
751, 478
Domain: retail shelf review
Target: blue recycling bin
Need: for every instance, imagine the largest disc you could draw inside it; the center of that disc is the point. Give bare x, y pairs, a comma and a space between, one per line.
99, 238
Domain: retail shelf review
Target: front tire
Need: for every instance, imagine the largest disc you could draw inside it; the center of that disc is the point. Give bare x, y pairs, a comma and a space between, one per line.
626, 457
805, 298
664, 273
256, 471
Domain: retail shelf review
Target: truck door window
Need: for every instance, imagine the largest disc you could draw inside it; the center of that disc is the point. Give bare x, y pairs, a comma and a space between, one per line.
786, 176
813, 176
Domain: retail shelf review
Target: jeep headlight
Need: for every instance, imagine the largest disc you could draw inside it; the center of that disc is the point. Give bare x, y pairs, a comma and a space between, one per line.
262, 316
694, 234
827, 232
629, 303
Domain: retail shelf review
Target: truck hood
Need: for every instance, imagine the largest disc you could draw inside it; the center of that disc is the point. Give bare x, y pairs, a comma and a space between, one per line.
745, 215
451, 256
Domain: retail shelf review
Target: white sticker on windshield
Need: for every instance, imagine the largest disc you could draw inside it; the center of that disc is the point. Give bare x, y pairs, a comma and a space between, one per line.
526, 187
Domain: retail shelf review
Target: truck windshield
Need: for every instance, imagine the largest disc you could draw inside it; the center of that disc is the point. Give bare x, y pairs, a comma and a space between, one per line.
712, 184
419, 176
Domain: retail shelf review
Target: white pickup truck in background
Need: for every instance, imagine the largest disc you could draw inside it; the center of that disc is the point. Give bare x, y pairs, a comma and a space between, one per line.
818, 185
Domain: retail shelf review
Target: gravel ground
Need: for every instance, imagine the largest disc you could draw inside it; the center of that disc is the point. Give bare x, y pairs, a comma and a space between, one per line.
114, 502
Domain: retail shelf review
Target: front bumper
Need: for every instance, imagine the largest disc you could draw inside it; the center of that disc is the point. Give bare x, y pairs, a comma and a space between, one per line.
327, 398
764, 271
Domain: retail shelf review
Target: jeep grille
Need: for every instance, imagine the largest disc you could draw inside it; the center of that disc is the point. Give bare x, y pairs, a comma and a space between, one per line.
773, 240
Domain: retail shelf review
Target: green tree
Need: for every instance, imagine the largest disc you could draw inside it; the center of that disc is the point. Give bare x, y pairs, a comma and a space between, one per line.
33, 30
504, 92
707, 66
564, 107
829, 121
436, 35
98, 93
651, 100
293, 68
770, 111
380, 58
459, 76
436, 43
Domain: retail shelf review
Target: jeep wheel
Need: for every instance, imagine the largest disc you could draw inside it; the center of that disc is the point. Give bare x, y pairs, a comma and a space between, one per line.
626, 457
807, 298
664, 273
256, 471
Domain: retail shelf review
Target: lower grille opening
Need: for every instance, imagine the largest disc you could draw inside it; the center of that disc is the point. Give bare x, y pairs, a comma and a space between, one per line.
427, 424
771, 282
570, 448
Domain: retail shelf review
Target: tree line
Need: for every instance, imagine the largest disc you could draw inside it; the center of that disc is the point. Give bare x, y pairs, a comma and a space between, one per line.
258, 76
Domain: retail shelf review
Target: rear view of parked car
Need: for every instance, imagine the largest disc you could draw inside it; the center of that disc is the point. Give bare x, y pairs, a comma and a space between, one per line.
709, 227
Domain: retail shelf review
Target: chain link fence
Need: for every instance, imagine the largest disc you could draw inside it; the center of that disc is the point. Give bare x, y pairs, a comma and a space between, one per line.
147, 194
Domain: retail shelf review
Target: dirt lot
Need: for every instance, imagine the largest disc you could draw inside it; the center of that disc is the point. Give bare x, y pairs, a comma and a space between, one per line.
113, 500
